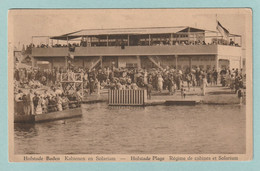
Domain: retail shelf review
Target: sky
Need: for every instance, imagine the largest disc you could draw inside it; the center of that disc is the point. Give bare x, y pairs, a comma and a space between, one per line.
23, 24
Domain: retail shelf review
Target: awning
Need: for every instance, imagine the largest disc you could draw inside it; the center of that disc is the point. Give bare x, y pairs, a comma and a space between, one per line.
131, 31
119, 31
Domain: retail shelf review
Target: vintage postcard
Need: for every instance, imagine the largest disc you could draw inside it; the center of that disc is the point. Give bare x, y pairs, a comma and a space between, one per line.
130, 85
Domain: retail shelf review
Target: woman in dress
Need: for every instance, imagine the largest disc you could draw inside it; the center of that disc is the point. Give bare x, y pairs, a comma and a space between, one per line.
160, 83
98, 87
39, 106
59, 103
170, 86
203, 85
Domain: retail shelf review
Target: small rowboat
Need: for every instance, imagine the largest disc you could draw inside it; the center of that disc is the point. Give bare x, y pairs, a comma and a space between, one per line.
65, 114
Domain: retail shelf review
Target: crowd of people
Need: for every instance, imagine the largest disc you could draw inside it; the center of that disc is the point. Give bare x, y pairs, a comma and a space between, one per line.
235, 80
121, 42
42, 102
39, 92
154, 79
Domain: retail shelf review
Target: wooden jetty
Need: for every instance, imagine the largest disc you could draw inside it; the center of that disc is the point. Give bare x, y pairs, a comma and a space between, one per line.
181, 102
65, 114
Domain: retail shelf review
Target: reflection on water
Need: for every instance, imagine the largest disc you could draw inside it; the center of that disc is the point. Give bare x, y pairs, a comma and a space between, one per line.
137, 130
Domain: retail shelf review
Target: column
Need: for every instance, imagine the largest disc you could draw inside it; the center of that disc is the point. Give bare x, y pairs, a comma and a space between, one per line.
33, 61
216, 60
107, 40
189, 35
101, 59
66, 62
52, 63
138, 62
176, 61
128, 39
240, 63
171, 39
190, 62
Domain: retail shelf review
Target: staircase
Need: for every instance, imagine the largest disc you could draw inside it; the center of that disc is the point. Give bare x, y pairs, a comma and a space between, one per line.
95, 63
153, 61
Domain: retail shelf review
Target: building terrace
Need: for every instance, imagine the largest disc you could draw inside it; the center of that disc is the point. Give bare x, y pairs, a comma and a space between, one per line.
179, 47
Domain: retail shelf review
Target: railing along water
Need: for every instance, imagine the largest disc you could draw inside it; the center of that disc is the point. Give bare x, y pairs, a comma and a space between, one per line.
127, 97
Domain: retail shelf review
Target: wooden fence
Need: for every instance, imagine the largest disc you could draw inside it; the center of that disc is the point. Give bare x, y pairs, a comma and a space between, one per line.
127, 97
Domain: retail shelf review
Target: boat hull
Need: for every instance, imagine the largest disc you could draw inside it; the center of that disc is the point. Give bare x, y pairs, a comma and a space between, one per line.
65, 114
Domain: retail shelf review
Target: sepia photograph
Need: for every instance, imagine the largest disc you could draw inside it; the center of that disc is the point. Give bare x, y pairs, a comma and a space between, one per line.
128, 85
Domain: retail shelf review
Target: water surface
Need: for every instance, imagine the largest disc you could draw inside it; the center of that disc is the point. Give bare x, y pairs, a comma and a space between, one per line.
201, 129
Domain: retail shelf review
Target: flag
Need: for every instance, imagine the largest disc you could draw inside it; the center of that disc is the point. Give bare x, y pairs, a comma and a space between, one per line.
224, 32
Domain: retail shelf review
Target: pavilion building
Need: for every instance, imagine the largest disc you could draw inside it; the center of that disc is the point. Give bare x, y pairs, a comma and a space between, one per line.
178, 47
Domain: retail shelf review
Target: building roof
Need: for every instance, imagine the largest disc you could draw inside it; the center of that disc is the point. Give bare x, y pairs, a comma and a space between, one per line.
126, 31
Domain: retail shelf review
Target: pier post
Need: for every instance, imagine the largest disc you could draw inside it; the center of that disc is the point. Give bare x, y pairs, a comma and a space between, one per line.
216, 60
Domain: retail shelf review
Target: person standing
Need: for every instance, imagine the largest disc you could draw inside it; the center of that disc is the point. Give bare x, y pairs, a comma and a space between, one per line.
197, 74
215, 77
240, 96
98, 87
160, 83
91, 86
31, 96
149, 88
178, 81
59, 102
26, 104
183, 93
203, 85
170, 86
38, 110
188, 81
35, 101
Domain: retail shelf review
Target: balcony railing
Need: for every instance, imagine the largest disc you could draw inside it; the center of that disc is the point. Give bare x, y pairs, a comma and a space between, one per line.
137, 50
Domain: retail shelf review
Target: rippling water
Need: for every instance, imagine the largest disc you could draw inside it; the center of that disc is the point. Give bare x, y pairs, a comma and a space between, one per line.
102, 129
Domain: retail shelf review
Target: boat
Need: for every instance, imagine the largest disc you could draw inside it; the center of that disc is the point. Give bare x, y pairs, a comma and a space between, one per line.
65, 114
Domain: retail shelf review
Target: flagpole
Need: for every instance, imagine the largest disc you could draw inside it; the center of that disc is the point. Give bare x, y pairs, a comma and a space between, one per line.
66, 57
216, 26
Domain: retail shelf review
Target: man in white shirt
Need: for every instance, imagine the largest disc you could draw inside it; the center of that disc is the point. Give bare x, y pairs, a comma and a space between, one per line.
31, 95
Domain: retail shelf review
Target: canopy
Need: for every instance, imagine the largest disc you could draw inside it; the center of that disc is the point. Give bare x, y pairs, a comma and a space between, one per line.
125, 31
132, 31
